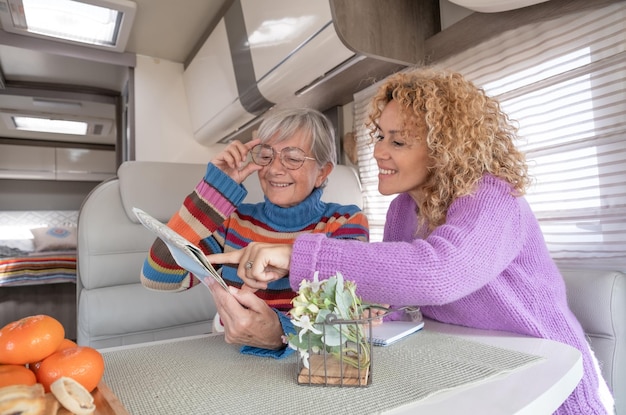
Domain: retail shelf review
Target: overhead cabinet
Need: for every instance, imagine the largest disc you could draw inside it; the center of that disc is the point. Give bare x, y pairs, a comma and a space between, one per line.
265, 54
26, 162
84, 164
259, 53
55, 163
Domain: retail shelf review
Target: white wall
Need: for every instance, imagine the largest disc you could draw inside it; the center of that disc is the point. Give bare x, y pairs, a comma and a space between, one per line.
162, 125
348, 127
451, 13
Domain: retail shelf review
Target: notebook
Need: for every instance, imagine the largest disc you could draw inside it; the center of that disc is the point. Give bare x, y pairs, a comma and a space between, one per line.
392, 331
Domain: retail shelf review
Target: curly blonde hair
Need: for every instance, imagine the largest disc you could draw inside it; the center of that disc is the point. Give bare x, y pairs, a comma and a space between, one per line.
468, 136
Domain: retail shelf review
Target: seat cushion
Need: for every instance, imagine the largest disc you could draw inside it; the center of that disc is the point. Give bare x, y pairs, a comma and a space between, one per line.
125, 314
598, 299
159, 188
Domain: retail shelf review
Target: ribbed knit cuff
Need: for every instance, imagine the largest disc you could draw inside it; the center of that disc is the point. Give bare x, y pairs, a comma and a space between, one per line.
288, 328
225, 185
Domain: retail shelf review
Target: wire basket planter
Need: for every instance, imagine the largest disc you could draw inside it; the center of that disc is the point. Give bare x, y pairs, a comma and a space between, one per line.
349, 363
333, 333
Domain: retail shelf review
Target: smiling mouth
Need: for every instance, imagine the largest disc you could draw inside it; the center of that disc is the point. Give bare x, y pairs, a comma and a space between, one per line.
385, 172
280, 184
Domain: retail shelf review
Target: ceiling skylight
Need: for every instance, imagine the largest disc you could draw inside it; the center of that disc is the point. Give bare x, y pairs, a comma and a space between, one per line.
102, 24
58, 123
47, 125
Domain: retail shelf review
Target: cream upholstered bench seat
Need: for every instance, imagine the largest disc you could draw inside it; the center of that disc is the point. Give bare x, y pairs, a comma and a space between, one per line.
114, 309
598, 299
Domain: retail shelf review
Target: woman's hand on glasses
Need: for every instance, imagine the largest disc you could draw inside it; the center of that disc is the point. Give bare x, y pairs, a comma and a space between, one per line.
233, 160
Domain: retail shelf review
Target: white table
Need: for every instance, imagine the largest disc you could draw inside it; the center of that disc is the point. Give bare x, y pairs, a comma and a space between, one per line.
534, 390
537, 388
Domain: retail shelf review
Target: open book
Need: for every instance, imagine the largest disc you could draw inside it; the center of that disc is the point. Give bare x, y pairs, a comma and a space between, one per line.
186, 254
391, 331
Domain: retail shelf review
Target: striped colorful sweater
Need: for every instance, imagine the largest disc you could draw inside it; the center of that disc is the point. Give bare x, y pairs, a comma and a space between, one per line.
214, 218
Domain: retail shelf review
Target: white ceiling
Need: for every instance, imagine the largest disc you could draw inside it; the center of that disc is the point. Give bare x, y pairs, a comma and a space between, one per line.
163, 29
170, 29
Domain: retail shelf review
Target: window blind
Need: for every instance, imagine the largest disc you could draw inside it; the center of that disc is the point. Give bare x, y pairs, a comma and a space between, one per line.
374, 204
564, 82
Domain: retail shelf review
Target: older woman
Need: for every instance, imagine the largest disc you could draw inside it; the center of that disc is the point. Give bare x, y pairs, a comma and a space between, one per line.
293, 154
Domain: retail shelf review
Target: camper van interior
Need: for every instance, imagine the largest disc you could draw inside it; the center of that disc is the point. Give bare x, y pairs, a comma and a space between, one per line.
90, 130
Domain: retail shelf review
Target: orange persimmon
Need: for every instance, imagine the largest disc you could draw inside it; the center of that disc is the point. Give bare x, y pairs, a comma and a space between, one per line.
30, 339
16, 375
65, 344
82, 363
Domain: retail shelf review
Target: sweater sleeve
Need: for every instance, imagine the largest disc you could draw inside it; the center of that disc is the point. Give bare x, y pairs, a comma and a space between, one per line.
352, 224
288, 328
480, 238
214, 198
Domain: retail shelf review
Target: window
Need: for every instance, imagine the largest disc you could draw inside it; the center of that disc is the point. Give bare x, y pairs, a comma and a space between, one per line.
103, 24
564, 82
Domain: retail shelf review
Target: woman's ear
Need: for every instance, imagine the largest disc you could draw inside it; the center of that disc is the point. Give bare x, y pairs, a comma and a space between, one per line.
323, 173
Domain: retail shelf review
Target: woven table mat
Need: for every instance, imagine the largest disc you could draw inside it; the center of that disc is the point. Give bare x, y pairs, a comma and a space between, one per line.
208, 376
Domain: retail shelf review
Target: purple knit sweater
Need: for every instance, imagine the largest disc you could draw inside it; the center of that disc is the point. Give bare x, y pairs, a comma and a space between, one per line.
487, 267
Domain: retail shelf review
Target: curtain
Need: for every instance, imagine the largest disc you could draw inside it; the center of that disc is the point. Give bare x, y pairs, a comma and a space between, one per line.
564, 82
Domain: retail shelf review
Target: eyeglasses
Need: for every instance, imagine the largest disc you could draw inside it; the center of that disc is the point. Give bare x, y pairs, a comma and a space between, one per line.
291, 157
